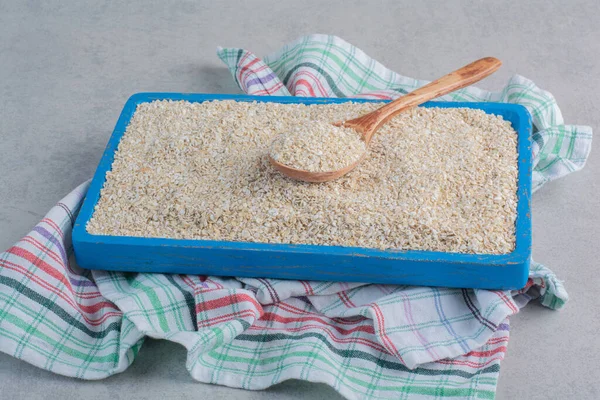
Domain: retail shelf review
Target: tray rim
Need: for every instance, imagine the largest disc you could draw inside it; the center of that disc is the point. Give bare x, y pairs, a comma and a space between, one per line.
519, 255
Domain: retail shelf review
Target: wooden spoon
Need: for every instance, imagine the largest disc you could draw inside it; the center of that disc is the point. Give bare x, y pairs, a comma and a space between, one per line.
368, 124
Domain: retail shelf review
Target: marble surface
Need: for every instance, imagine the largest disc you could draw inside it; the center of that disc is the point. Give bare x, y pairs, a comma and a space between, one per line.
67, 69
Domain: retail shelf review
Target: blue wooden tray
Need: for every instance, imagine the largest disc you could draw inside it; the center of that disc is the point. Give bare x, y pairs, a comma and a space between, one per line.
309, 262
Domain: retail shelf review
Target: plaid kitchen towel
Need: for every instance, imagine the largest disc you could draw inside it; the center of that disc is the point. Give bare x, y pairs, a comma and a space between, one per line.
365, 341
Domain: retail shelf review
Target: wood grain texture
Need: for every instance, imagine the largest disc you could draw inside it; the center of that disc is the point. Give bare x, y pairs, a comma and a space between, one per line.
368, 124
313, 177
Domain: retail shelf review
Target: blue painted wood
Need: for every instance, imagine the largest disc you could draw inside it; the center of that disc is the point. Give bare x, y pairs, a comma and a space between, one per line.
309, 262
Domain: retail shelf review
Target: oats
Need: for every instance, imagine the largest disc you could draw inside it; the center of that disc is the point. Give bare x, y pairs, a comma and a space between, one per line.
318, 146
440, 179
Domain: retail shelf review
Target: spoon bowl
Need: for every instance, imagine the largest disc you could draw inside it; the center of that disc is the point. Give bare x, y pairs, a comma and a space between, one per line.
314, 177
367, 125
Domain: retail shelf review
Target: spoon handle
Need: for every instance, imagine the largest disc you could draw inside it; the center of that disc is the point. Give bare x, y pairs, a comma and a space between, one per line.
462, 77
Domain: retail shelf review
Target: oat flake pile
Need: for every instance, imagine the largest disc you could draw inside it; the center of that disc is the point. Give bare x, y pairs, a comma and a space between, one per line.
365, 341
318, 146
435, 179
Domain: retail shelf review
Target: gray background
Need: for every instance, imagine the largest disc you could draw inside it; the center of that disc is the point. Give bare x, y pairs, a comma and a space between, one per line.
66, 71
